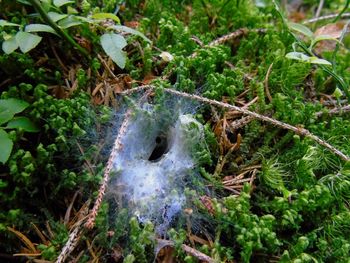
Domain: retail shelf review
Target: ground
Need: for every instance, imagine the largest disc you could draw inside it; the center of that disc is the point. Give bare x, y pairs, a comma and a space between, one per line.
266, 82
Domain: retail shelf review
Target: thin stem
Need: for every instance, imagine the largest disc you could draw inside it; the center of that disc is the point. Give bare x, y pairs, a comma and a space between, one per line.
319, 8
297, 130
342, 11
58, 30
321, 18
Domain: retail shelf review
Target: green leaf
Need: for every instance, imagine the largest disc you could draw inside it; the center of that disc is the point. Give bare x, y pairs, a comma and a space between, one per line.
106, 16
39, 28
131, 31
22, 123
323, 37
69, 22
337, 93
27, 41
13, 105
23, 2
56, 16
6, 23
85, 19
6, 146
316, 60
112, 44
298, 56
9, 45
301, 29
304, 58
60, 3
5, 116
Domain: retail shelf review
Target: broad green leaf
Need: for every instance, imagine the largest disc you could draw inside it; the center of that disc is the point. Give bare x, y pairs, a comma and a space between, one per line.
6, 146
85, 19
304, 58
298, 56
22, 123
301, 29
23, 2
39, 28
316, 60
13, 105
131, 31
5, 116
69, 22
27, 41
112, 44
9, 45
337, 93
60, 3
106, 16
321, 38
72, 11
6, 23
56, 16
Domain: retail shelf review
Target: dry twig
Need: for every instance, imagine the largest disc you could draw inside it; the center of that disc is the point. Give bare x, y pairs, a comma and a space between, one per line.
116, 148
338, 110
70, 245
321, 18
297, 130
266, 83
189, 250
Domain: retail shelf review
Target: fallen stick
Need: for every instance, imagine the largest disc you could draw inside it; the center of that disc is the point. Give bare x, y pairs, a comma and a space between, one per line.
90, 223
297, 130
189, 250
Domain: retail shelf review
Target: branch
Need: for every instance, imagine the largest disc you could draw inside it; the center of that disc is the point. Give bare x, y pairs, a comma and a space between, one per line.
338, 110
116, 148
313, 20
297, 130
189, 250
59, 30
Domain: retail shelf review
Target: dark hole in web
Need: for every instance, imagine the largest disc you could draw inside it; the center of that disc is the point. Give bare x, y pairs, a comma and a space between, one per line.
160, 148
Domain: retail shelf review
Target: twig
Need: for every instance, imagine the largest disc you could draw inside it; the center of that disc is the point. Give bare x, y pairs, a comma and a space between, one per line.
116, 148
319, 8
266, 83
106, 66
297, 130
314, 20
338, 110
193, 252
236, 34
69, 209
74, 236
235, 125
57, 56
72, 242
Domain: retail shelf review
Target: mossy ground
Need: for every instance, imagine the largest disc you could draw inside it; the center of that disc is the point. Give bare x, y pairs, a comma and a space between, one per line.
278, 197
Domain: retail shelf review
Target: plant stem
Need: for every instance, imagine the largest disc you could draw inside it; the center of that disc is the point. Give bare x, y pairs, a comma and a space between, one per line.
59, 30
342, 11
298, 130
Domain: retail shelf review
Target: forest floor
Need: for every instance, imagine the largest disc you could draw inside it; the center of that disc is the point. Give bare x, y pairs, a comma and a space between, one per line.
248, 101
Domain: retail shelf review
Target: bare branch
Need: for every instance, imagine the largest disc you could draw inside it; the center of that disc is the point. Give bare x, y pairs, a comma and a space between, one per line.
297, 130
189, 250
321, 18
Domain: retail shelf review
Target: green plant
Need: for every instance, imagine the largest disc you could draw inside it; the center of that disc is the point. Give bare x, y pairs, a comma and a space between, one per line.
308, 55
8, 109
57, 22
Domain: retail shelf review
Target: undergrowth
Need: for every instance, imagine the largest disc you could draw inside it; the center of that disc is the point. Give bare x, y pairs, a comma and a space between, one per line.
294, 203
